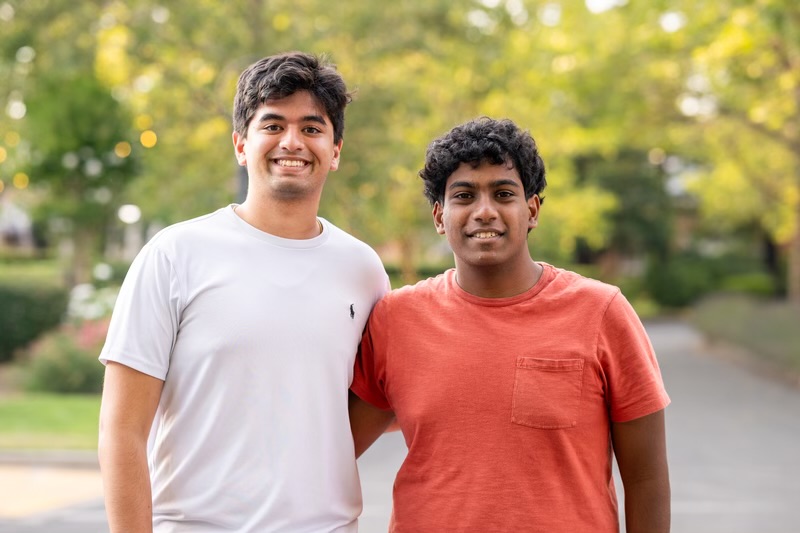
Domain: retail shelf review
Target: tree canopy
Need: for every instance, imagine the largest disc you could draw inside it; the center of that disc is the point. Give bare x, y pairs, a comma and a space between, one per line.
664, 99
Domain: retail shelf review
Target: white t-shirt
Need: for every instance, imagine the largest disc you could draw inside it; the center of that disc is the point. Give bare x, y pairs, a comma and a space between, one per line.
255, 338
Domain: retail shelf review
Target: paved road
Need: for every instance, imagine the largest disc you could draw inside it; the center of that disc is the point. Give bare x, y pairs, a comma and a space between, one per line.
377, 468
734, 451
733, 441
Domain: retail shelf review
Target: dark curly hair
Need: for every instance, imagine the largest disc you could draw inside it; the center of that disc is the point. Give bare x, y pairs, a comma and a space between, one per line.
483, 140
282, 75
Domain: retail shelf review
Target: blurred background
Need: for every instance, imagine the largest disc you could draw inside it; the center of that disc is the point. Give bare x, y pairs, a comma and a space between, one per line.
670, 129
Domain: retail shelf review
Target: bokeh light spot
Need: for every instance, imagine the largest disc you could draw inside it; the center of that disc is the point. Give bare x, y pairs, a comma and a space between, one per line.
21, 180
281, 22
102, 271
129, 213
656, 156
12, 138
144, 122
148, 138
26, 54
122, 149
16, 109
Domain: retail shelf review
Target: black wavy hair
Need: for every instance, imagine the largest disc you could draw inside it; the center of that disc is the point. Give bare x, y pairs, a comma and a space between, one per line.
483, 140
282, 75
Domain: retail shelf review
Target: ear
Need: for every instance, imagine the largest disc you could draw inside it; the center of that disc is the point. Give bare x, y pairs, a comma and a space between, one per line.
534, 204
238, 148
438, 218
337, 151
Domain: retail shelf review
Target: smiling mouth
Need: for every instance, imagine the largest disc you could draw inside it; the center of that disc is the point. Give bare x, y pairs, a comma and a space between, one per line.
485, 235
290, 163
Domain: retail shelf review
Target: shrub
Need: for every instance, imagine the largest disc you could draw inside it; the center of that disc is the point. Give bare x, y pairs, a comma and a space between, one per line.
65, 360
755, 283
27, 312
680, 281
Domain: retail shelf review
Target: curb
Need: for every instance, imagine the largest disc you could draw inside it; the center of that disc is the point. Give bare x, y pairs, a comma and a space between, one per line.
53, 458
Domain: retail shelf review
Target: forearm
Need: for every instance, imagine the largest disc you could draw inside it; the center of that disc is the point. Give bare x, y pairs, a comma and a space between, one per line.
130, 400
126, 484
641, 451
647, 506
367, 423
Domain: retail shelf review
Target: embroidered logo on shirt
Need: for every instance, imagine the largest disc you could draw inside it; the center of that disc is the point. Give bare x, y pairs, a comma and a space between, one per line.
352, 311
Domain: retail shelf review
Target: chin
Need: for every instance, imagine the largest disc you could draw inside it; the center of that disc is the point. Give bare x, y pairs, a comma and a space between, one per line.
482, 261
291, 191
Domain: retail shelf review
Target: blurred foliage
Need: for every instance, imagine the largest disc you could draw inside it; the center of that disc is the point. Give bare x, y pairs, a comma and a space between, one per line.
75, 140
64, 361
625, 100
680, 280
82, 156
27, 312
753, 283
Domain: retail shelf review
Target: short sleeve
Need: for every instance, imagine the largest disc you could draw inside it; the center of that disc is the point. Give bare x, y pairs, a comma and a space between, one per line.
633, 377
369, 372
145, 320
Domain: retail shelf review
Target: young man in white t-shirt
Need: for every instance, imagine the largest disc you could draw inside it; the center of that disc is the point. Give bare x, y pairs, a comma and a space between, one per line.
231, 347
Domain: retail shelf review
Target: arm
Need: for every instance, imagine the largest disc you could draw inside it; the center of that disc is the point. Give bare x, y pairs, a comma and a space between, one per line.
130, 400
367, 423
641, 452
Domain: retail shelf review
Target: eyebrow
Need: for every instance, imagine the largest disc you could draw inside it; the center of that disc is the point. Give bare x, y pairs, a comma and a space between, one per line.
497, 183
308, 118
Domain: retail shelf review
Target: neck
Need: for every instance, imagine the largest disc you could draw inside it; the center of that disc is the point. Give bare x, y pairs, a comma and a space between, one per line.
499, 281
294, 221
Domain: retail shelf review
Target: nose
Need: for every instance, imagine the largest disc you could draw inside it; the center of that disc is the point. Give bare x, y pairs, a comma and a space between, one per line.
485, 210
291, 140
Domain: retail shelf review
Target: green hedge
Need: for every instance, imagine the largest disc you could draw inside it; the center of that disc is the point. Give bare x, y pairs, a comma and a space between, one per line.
27, 311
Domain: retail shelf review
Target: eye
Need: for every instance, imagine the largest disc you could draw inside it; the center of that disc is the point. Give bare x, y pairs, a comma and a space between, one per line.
271, 128
313, 130
463, 195
505, 194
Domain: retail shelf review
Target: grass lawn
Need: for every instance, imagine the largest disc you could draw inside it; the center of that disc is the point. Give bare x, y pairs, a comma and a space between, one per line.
40, 272
48, 421
768, 329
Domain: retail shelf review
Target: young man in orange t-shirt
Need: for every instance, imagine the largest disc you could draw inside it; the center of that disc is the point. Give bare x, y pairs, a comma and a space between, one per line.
512, 381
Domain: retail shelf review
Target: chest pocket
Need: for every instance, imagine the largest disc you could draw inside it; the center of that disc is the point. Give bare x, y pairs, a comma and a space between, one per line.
547, 392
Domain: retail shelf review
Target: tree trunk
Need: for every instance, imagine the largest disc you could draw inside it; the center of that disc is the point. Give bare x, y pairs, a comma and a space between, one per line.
84, 244
793, 270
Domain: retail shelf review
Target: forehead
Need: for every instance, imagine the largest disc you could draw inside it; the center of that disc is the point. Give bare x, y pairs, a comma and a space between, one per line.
484, 175
298, 106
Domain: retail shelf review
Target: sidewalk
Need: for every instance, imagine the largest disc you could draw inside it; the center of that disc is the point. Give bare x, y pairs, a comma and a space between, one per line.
36, 482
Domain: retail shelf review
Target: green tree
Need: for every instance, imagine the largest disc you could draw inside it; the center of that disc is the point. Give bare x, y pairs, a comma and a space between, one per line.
752, 64
81, 152
68, 132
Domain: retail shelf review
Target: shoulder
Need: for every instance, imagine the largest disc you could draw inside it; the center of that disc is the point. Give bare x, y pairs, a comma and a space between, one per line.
603, 300
420, 293
569, 283
344, 243
194, 228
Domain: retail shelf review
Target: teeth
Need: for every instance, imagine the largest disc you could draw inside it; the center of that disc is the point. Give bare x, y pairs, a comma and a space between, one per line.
291, 163
485, 235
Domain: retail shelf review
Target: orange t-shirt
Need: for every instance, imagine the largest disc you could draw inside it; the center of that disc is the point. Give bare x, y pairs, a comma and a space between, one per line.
505, 403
